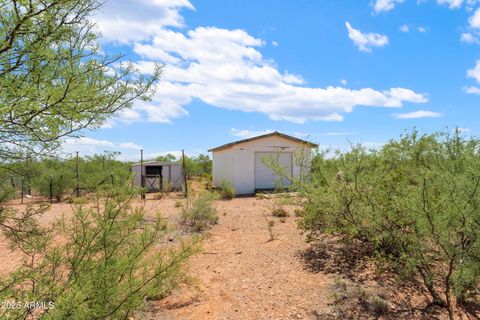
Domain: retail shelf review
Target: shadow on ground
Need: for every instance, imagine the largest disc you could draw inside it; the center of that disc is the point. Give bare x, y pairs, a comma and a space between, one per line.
364, 291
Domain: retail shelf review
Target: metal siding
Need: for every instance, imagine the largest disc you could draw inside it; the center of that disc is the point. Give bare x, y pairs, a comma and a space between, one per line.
265, 177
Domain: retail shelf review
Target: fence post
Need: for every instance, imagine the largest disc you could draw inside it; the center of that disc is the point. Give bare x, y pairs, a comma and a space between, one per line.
51, 189
29, 190
77, 177
113, 180
13, 187
142, 182
60, 195
22, 190
184, 174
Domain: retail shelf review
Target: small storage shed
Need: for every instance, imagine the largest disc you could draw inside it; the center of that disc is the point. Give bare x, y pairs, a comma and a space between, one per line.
262, 163
158, 176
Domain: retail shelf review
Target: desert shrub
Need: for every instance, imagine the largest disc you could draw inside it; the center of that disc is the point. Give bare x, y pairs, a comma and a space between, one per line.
102, 172
198, 212
350, 298
7, 192
298, 212
416, 201
378, 305
178, 204
98, 172
62, 182
279, 211
227, 192
102, 263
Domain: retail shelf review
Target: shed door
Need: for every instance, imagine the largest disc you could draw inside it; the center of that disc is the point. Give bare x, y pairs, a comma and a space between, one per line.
265, 176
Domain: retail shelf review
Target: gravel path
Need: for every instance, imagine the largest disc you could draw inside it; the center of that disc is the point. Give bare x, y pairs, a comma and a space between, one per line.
243, 275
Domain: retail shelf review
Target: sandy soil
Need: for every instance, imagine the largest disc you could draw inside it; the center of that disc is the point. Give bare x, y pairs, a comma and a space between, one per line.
243, 275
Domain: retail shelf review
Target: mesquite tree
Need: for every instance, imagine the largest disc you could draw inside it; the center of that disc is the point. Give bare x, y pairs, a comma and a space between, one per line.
416, 201
54, 78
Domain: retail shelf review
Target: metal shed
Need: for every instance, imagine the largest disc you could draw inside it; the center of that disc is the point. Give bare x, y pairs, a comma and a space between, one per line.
158, 176
244, 163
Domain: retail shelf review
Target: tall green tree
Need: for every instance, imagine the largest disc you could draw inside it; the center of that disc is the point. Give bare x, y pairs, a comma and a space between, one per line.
54, 78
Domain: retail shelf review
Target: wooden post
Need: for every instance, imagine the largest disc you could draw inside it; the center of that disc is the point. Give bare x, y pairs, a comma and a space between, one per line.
29, 191
77, 177
142, 181
13, 187
184, 174
51, 189
22, 190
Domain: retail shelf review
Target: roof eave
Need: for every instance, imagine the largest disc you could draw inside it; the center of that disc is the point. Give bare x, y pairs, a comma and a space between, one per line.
276, 133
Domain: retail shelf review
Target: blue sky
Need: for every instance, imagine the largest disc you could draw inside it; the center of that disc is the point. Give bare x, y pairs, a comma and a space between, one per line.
331, 71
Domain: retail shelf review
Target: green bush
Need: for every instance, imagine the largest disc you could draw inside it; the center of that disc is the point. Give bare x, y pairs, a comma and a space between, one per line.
96, 173
198, 212
6, 193
62, 183
416, 201
227, 192
108, 262
279, 211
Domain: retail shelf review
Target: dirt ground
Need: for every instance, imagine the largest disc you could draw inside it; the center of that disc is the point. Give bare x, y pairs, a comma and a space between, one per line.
243, 274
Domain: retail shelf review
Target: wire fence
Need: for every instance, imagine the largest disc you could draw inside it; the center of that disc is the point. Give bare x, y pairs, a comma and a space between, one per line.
54, 178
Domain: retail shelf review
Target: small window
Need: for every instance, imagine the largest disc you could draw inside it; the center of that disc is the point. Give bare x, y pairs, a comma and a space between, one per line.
153, 170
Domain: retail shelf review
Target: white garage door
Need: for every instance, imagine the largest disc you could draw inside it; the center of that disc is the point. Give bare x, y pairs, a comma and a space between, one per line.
265, 176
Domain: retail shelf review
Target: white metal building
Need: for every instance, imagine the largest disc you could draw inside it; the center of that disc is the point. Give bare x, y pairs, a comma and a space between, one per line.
255, 164
158, 176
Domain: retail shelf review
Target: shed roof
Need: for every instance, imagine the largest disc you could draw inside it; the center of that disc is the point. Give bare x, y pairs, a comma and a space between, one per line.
155, 163
272, 134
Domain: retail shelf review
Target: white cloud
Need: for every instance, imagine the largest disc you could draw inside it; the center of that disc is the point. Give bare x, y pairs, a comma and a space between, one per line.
245, 134
402, 94
292, 79
129, 145
239, 78
84, 141
404, 28
408, 27
468, 38
475, 71
89, 146
275, 43
472, 90
124, 21
452, 4
385, 5
474, 20
225, 68
418, 114
129, 151
344, 82
364, 41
